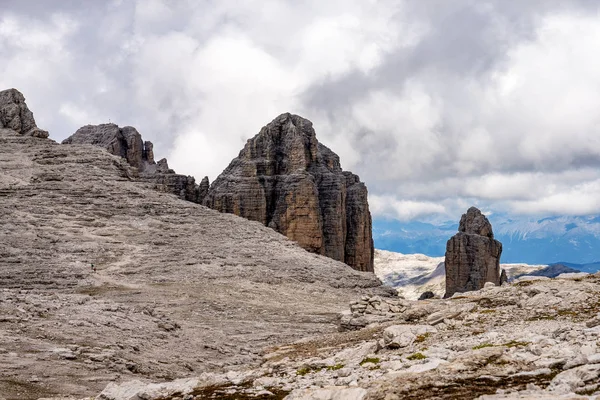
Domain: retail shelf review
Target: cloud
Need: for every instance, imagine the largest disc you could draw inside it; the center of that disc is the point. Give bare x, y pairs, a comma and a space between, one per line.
390, 207
437, 105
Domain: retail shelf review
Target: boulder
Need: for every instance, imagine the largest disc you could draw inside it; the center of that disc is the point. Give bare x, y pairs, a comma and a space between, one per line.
472, 255
426, 295
399, 336
15, 115
287, 180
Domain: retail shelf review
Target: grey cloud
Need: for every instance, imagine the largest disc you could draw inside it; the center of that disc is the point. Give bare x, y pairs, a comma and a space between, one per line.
421, 121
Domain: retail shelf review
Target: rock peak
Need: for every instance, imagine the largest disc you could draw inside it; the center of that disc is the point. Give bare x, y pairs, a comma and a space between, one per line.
474, 222
285, 179
15, 115
127, 142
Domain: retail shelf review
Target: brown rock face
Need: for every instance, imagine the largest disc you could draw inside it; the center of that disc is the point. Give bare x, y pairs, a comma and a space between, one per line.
127, 143
285, 179
472, 255
15, 115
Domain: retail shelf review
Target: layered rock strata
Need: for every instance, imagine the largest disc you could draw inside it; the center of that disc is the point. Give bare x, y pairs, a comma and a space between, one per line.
127, 142
15, 115
287, 180
168, 274
472, 255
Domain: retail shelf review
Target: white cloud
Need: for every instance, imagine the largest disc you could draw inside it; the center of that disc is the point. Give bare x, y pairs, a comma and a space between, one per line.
496, 106
390, 207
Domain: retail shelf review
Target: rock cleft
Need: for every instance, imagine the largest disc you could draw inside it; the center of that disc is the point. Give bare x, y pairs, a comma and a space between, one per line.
472, 255
287, 180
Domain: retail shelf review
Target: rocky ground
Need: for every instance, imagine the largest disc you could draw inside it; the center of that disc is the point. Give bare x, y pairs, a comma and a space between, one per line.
535, 339
179, 289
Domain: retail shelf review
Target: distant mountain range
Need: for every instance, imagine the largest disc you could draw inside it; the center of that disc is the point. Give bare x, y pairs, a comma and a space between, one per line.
533, 241
552, 271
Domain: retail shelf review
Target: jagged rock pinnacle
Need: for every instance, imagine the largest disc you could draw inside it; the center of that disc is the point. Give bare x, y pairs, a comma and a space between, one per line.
15, 115
287, 180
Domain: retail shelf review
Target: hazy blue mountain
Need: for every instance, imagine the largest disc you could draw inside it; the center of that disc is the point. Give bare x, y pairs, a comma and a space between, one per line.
590, 267
552, 271
525, 240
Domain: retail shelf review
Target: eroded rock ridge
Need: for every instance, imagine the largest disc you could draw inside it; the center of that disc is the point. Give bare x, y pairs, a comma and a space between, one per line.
287, 180
472, 255
127, 142
15, 115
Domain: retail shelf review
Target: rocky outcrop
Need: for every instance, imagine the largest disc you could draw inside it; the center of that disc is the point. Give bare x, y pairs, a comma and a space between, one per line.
15, 115
472, 255
285, 179
127, 143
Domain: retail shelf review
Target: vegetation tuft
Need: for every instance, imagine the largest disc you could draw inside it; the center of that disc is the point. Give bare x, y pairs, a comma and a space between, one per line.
373, 360
416, 356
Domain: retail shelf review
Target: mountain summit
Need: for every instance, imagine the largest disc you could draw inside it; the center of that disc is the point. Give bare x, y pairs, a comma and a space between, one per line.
287, 180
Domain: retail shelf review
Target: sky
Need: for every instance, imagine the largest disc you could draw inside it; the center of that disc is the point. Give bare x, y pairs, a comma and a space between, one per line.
437, 105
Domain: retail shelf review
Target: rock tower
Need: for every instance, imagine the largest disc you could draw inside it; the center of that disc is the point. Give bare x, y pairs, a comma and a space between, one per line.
472, 255
287, 180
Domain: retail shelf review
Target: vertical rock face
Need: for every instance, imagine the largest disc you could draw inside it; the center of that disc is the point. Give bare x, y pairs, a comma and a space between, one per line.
285, 179
15, 115
472, 255
127, 143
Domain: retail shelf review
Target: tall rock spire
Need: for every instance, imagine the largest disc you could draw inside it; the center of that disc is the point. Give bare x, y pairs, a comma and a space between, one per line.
287, 180
472, 255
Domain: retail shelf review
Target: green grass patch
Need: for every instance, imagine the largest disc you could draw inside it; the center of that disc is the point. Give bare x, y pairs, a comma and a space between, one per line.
373, 360
422, 338
542, 318
335, 367
307, 370
569, 313
514, 343
416, 356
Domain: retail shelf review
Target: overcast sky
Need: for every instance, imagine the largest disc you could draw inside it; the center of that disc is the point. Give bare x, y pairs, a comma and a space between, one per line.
435, 104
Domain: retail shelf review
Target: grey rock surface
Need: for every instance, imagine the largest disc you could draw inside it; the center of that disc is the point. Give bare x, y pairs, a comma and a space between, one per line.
472, 255
179, 288
488, 344
15, 115
285, 179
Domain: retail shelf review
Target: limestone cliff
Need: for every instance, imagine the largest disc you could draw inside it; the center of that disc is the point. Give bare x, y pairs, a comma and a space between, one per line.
127, 143
285, 179
472, 255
